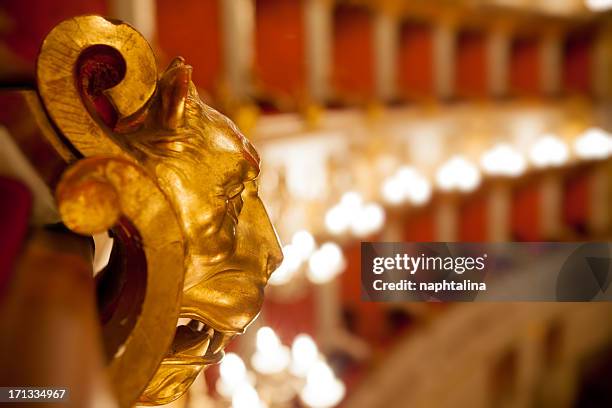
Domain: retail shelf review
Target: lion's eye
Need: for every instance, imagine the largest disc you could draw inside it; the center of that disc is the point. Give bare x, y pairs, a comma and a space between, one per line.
234, 201
235, 191
234, 206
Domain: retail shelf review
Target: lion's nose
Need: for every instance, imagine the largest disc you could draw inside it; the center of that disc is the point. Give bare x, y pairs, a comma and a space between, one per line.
275, 258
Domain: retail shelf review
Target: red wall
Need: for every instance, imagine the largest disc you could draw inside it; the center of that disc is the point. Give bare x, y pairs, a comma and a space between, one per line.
353, 53
576, 199
292, 317
473, 218
415, 60
280, 47
30, 21
369, 322
420, 226
192, 29
577, 62
471, 64
525, 66
525, 224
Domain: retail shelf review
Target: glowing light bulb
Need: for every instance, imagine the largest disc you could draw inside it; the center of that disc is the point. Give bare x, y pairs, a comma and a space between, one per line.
407, 184
353, 214
304, 354
292, 256
337, 221
415, 187
549, 151
351, 204
392, 191
271, 356
351, 200
325, 263
267, 340
281, 276
232, 373
594, 144
503, 160
246, 397
304, 243
368, 220
419, 191
406, 175
598, 5
232, 368
322, 389
458, 174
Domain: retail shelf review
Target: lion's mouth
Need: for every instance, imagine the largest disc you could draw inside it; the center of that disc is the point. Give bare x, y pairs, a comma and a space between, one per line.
196, 343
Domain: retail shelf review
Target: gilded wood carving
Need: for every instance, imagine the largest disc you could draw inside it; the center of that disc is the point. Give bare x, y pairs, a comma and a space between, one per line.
176, 183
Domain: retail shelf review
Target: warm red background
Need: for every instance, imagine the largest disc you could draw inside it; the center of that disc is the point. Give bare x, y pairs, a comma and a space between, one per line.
471, 79
525, 66
192, 29
353, 53
280, 47
415, 60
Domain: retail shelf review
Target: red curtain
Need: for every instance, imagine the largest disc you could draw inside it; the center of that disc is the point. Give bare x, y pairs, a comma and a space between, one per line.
525, 66
420, 226
192, 29
526, 213
576, 199
577, 62
30, 21
473, 218
365, 319
415, 60
471, 64
353, 53
280, 46
292, 317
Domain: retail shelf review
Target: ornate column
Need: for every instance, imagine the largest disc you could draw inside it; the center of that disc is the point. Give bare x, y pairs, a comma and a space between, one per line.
446, 219
139, 13
602, 66
551, 55
385, 48
444, 58
238, 17
318, 53
328, 310
498, 51
499, 212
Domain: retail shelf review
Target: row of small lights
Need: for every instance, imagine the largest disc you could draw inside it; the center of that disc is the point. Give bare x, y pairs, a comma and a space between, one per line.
598, 5
352, 215
317, 384
323, 263
460, 174
313, 379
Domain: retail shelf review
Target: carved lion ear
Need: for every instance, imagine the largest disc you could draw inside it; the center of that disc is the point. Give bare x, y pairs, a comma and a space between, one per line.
174, 87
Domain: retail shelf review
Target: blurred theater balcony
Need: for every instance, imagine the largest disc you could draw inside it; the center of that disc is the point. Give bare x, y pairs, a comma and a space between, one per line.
424, 120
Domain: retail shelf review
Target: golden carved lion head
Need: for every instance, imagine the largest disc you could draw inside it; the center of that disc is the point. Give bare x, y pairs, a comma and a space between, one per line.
208, 170
170, 162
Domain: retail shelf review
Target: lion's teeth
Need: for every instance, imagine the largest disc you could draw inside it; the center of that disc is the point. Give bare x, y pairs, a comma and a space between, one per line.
219, 341
193, 325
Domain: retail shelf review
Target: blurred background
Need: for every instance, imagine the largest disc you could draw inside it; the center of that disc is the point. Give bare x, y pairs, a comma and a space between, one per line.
391, 120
